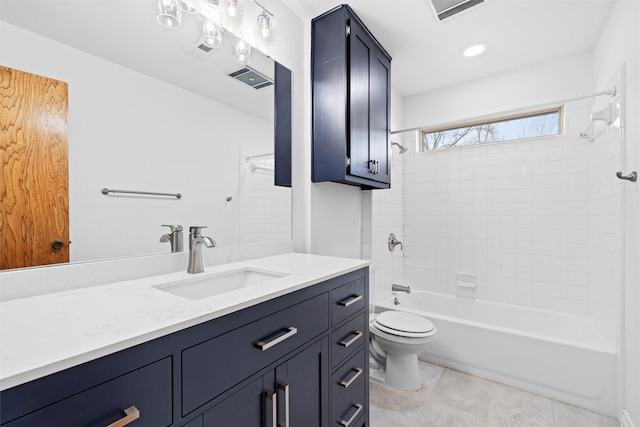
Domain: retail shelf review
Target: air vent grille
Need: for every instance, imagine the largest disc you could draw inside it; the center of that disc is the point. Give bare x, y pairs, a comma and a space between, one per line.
447, 8
251, 77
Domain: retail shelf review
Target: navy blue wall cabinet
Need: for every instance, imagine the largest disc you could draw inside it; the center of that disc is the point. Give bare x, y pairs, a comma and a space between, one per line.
247, 368
351, 84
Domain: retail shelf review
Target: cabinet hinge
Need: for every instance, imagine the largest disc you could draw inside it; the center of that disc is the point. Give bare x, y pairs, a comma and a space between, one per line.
348, 30
348, 161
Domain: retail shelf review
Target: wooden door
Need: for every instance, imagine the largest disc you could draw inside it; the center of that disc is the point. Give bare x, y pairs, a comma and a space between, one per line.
34, 177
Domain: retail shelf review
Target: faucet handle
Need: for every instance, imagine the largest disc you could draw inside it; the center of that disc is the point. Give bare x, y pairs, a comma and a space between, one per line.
196, 229
173, 228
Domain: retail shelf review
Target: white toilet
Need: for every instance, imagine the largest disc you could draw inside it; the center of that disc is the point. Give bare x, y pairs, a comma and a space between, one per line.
396, 339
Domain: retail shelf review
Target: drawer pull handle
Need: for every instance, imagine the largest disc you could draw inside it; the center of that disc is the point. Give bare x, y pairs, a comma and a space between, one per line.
358, 407
347, 383
273, 397
131, 414
291, 331
347, 302
352, 340
285, 388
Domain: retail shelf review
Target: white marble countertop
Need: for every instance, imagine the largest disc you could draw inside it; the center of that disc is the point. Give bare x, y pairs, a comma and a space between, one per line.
48, 333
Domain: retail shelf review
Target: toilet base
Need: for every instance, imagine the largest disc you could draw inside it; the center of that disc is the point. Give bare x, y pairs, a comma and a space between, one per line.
402, 372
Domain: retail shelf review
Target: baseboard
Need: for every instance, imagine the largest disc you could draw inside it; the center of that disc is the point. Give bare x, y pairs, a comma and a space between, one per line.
625, 419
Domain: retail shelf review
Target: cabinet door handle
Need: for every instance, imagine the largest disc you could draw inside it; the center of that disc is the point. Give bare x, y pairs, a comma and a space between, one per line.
291, 331
347, 383
358, 407
131, 414
273, 397
352, 340
285, 388
347, 302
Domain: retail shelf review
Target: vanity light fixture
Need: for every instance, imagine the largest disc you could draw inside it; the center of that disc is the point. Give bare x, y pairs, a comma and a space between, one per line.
265, 29
189, 6
170, 14
231, 17
220, 16
475, 50
212, 36
243, 52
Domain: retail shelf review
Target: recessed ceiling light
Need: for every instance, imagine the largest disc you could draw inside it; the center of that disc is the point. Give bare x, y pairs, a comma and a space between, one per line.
475, 50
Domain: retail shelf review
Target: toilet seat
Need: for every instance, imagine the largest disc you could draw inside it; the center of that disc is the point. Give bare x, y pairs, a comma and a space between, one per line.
403, 324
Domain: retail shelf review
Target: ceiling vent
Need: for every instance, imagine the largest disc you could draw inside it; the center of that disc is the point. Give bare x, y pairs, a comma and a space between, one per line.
447, 8
197, 50
251, 77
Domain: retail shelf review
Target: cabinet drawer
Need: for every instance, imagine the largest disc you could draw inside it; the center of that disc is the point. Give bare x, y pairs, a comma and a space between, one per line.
347, 300
347, 338
148, 389
210, 368
349, 390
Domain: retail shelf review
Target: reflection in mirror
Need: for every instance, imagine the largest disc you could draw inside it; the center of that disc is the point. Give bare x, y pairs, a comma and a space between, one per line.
144, 114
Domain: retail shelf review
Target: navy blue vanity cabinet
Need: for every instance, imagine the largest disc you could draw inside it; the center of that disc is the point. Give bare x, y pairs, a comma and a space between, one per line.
275, 363
351, 102
350, 354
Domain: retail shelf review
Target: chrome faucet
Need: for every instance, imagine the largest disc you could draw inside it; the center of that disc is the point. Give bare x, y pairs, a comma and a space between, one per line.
196, 240
174, 237
400, 288
393, 242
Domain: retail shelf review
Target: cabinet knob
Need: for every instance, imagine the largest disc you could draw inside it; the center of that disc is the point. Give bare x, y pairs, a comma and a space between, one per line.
131, 414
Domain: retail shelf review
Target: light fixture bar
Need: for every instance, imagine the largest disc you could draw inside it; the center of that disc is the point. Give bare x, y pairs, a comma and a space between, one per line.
262, 7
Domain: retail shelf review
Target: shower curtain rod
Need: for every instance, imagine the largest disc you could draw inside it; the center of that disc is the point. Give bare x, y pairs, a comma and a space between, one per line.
610, 92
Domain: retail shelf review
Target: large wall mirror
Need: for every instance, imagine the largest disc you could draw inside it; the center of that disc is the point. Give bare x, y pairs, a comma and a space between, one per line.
150, 111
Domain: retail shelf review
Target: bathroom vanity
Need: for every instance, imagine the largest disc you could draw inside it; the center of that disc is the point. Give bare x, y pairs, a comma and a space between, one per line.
290, 350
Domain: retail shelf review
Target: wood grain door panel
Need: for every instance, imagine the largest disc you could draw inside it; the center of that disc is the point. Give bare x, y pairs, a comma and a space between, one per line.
34, 183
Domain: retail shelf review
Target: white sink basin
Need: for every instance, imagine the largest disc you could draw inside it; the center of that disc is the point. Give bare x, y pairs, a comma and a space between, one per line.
204, 286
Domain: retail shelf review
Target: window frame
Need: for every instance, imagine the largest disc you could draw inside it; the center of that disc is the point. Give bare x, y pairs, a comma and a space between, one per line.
487, 120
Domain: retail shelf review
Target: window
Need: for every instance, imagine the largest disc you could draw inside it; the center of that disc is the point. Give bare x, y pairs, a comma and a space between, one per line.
504, 129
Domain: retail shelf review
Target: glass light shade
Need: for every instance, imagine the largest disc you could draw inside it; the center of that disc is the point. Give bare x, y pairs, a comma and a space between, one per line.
212, 36
266, 31
189, 6
231, 16
243, 52
170, 14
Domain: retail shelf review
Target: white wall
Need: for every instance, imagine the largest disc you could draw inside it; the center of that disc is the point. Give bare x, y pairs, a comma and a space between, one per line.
502, 92
620, 43
129, 131
383, 215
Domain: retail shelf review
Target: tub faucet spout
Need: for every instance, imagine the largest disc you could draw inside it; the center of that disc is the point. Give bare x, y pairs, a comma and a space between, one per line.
400, 288
196, 241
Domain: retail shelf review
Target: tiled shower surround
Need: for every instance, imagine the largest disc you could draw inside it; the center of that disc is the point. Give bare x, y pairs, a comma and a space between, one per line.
537, 221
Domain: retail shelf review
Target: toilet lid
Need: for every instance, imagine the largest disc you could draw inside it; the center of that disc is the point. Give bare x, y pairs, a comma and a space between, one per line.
404, 324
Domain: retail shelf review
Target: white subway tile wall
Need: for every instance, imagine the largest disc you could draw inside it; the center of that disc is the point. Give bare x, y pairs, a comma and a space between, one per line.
265, 210
537, 221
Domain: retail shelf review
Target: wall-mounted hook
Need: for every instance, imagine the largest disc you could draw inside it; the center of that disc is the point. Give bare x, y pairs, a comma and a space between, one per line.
229, 198
633, 176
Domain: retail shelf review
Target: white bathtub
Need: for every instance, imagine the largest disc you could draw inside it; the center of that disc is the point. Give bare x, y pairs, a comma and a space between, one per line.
553, 354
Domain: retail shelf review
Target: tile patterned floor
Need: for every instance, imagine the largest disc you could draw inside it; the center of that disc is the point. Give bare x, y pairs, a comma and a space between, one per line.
451, 398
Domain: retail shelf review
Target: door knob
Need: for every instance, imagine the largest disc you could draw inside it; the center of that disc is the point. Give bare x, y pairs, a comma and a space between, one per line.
57, 244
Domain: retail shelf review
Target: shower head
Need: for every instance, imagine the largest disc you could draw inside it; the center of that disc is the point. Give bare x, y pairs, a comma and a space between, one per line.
401, 147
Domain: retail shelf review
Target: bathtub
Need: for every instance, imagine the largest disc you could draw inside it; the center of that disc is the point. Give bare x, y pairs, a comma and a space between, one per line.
558, 355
